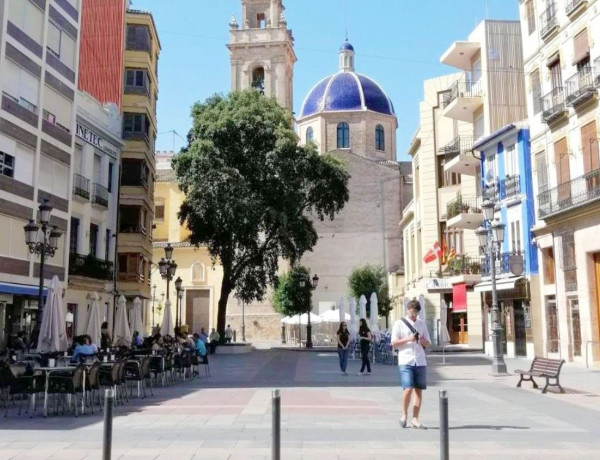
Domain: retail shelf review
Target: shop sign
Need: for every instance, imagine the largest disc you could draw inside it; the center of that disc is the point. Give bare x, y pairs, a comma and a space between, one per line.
95, 139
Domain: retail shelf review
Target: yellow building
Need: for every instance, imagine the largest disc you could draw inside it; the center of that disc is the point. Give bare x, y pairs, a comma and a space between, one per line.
136, 203
200, 280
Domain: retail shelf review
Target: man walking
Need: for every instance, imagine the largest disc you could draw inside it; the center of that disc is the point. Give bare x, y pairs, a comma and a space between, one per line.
410, 336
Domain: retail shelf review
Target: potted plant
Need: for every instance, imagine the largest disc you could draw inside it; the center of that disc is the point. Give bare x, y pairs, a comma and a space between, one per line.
475, 268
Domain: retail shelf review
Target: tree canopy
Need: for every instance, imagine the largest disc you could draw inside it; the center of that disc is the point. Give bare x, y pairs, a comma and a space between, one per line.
293, 292
366, 279
251, 192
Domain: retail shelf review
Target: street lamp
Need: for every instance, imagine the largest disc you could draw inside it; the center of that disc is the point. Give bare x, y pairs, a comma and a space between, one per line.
313, 285
44, 248
490, 238
153, 300
167, 266
178, 283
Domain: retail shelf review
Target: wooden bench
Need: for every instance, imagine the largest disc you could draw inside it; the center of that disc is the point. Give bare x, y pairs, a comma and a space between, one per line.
543, 367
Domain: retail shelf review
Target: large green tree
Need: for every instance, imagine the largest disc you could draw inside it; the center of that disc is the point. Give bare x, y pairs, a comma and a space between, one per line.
366, 279
251, 192
293, 292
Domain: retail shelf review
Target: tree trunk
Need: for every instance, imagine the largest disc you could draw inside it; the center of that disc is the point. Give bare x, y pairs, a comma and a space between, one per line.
226, 288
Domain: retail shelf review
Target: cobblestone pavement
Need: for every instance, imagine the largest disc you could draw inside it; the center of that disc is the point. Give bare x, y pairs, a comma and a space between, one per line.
326, 415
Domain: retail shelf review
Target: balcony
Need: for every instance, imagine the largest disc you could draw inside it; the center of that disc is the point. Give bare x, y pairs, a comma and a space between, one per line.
462, 100
134, 174
461, 54
464, 212
100, 196
553, 105
580, 191
20, 108
136, 136
581, 87
548, 21
575, 6
509, 263
81, 187
463, 265
459, 156
510, 187
90, 267
492, 191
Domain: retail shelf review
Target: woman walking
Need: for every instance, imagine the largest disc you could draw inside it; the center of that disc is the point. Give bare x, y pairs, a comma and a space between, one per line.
365, 345
343, 339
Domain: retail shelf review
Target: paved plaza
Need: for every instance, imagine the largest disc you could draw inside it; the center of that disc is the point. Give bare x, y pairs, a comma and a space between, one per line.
326, 415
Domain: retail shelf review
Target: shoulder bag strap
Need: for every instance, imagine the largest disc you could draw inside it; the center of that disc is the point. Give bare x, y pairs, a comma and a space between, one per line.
410, 326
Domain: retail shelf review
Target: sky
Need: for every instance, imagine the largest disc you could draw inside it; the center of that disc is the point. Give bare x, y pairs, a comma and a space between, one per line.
398, 43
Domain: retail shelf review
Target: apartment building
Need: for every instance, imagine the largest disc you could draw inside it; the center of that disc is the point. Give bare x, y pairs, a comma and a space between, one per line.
39, 42
562, 70
456, 110
92, 234
132, 79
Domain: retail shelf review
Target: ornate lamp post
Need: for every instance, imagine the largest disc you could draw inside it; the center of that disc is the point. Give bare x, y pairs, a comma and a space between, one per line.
167, 266
178, 283
153, 301
491, 237
44, 248
313, 285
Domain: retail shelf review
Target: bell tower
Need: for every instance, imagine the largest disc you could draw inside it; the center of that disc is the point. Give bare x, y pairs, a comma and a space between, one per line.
262, 51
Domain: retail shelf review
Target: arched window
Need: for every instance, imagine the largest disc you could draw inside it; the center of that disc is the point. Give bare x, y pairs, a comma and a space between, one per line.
258, 79
198, 272
343, 136
309, 134
379, 138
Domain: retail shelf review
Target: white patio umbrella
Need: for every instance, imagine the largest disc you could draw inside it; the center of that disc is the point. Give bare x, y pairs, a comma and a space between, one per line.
362, 307
93, 322
122, 334
53, 331
374, 313
341, 309
285, 320
167, 327
352, 327
444, 335
333, 316
136, 320
303, 319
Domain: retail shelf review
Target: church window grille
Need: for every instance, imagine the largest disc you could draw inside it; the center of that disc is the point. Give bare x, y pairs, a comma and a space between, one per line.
343, 136
309, 135
379, 138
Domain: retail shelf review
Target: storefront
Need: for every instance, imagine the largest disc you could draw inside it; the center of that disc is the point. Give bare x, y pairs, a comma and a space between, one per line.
18, 310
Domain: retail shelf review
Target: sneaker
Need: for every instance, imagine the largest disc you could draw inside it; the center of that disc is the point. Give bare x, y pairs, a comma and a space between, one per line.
368, 373
360, 373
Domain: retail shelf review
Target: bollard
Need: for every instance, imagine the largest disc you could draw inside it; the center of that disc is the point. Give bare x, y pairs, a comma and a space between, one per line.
444, 432
276, 422
235, 336
109, 400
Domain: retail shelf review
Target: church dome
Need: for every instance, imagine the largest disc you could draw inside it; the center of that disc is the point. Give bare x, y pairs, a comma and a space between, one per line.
346, 91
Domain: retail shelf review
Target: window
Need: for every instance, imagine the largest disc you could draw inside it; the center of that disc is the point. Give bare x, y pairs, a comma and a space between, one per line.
111, 167
57, 109
135, 124
309, 135
53, 176
159, 212
258, 79
536, 91
198, 271
93, 240
581, 50
453, 243
379, 138
61, 45
107, 239
446, 178
552, 324
515, 236
530, 13
20, 85
138, 38
555, 74
137, 79
541, 171
548, 261
589, 146
511, 160
27, 17
74, 236
261, 20
7, 164
343, 136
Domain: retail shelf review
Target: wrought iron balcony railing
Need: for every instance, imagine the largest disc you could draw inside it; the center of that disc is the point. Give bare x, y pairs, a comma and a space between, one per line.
458, 146
548, 20
491, 192
90, 267
581, 86
553, 105
81, 186
579, 191
462, 88
100, 195
463, 205
504, 262
510, 187
463, 265
572, 5
597, 68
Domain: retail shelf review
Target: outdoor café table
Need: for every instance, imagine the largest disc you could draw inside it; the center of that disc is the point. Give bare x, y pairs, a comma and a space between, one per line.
48, 371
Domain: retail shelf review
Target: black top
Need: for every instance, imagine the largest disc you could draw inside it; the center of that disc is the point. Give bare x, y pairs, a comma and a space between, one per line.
344, 337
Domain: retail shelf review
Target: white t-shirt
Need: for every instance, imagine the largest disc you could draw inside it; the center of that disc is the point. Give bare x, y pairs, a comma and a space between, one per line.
411, 353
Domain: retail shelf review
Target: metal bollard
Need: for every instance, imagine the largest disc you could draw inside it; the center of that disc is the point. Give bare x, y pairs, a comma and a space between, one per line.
109, 400
444, 432
276, 422
235, 336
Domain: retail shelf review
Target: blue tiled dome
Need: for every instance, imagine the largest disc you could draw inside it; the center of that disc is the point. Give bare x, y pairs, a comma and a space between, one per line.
346, 46
346, 91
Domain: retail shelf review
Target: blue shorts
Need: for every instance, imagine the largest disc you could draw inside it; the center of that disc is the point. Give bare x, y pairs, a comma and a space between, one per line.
413, 377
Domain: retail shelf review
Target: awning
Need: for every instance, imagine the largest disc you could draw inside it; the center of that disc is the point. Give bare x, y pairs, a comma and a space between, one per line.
21, 289
501, 285
459, 297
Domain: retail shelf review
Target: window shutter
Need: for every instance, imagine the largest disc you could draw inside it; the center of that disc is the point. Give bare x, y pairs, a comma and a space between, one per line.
536, 91
589, 144
582, 47
561, 158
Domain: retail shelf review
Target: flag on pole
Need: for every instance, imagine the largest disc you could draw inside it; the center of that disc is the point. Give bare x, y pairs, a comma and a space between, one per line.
434, 253
452, 254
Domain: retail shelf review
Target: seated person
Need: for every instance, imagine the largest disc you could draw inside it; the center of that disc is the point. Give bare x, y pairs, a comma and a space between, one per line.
82, 349
105, 340
18, 343
92, 344
157, 343
200, 347
189, 343
136, 340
